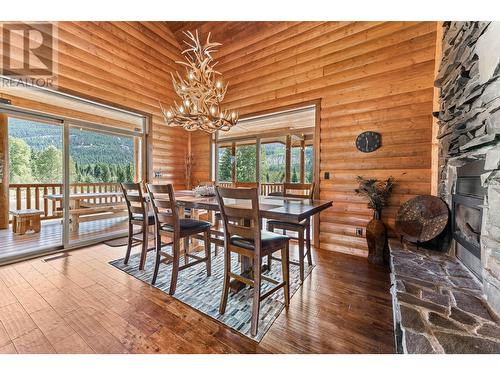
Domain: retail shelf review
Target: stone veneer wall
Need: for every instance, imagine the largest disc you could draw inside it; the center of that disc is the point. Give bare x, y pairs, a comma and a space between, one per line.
469, 127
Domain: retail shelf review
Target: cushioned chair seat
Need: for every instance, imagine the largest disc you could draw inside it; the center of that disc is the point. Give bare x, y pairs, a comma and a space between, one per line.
151, 218
190, 225
268, 239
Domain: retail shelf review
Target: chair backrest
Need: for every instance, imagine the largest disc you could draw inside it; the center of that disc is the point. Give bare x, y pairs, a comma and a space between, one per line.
136, 205
240, 213
292, 190
164, 205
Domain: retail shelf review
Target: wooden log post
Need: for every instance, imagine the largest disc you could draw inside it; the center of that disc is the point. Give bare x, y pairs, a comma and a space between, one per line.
302, 160
288, 157
4, 172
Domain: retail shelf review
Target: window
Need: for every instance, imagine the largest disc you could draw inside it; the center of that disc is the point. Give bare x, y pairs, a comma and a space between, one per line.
269, 149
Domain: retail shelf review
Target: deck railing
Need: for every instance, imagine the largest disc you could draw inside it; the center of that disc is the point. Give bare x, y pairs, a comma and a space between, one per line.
24, 196
268, 188
265, 188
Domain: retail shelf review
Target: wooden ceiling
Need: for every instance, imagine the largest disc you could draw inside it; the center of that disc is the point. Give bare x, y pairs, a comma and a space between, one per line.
223, 32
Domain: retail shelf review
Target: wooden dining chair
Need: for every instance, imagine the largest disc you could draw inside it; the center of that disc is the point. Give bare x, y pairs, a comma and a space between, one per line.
303, 228
244, 236
138, 215
169, 224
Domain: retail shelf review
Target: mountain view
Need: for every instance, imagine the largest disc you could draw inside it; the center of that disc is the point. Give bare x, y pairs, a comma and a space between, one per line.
35, 154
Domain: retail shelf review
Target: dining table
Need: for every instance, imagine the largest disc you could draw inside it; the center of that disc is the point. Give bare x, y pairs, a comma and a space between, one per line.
271, 207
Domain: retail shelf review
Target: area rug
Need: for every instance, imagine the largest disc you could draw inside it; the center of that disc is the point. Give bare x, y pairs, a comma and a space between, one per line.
203, 293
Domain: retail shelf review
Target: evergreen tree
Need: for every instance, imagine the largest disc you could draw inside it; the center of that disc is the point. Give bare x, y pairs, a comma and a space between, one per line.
48, 166
225, 164
106, 175
295, 177
246, 161
19, 161
129, 173
98, 172
120, 174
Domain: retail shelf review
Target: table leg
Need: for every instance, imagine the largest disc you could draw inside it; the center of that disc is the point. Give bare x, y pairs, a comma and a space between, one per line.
74, 218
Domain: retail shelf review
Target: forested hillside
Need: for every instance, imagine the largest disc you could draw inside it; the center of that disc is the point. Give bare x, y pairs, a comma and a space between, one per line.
272, 163
35, 154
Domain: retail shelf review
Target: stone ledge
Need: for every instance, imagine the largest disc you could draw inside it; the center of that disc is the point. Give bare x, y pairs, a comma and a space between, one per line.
438, 305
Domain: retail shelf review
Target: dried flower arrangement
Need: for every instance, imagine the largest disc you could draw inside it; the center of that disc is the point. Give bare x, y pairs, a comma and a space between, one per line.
376, 191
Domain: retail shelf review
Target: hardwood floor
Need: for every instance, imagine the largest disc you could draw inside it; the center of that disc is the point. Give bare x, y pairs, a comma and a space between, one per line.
81, 304
51, 235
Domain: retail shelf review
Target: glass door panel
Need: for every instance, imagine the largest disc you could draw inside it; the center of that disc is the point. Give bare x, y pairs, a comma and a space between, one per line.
34, 184
224, 164
246, 164
99, 162
295, 164
309, 164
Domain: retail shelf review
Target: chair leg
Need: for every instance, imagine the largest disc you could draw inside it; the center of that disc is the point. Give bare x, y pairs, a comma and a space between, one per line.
225, 288
301, 254
175, 265
285, 269
216, 227
308, 244
158, 259
129, 243
144, 251
256, 296
208, 253
270, 228
186, 250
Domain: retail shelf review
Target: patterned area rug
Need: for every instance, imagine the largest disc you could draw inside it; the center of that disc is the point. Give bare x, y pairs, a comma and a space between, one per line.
203, 293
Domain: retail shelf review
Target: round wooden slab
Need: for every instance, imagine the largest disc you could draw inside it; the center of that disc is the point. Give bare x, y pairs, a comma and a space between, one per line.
422, 218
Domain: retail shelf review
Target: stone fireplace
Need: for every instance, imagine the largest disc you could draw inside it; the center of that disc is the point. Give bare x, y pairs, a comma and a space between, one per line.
449, 302
469, 141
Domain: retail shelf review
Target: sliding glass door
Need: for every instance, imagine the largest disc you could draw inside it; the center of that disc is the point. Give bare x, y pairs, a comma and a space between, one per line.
99, 161
60, 180
34, 184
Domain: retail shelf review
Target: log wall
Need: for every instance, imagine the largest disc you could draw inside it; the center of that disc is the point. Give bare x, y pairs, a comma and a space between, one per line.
369, 76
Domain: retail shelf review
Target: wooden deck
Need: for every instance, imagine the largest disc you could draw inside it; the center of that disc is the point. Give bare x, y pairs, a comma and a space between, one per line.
51, 235
81, 304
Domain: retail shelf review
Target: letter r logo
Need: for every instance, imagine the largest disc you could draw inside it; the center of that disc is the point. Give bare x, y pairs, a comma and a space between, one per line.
27, 49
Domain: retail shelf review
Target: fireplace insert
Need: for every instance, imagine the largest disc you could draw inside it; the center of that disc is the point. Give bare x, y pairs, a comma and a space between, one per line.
467, 214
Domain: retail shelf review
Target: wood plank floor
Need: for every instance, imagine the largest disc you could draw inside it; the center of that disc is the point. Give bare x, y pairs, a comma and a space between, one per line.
51, 235
81, 304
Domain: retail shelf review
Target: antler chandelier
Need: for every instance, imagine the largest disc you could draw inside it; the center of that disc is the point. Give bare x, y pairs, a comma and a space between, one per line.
201, 93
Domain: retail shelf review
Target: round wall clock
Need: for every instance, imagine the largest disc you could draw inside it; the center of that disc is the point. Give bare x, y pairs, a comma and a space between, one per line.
368, 141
